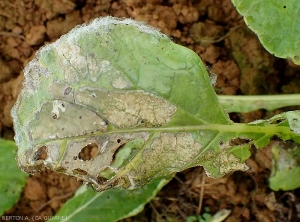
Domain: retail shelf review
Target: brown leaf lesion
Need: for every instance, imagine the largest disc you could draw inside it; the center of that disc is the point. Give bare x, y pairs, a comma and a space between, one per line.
168, 153
127, 109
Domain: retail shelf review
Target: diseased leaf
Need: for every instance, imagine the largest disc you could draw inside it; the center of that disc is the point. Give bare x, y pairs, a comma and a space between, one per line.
110, 205
144, 104
286, 166
294, 120
276, 24
12, 179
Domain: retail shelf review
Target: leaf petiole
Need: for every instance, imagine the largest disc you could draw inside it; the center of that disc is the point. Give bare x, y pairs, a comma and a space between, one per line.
246, 104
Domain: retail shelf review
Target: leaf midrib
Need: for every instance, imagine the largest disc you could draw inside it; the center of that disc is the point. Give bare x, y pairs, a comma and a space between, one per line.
235, 127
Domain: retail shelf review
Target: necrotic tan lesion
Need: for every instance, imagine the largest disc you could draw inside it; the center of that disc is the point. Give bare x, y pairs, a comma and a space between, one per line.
127, 109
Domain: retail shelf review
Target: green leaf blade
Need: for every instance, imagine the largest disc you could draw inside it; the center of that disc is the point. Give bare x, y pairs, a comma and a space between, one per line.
275, 23
109, 206
12, 179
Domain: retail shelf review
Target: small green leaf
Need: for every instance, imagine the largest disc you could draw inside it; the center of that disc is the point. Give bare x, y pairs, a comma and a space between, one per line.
286, 166
12, 179
276, 23
110, 205
220, 216
293, 118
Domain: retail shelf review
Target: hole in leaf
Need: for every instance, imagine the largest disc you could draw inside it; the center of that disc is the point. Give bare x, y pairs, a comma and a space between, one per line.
101, 180
79, 171
116, 152
277, 121
41, 153
88, 152
239, 141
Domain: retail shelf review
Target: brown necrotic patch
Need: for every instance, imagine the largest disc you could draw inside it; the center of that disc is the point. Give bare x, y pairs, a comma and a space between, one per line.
79, 171
238, 141
101, 179
127, 109
67, 90
88, 152
60, 169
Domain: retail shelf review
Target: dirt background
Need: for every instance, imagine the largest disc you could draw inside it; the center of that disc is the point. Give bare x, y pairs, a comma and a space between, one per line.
217, 33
